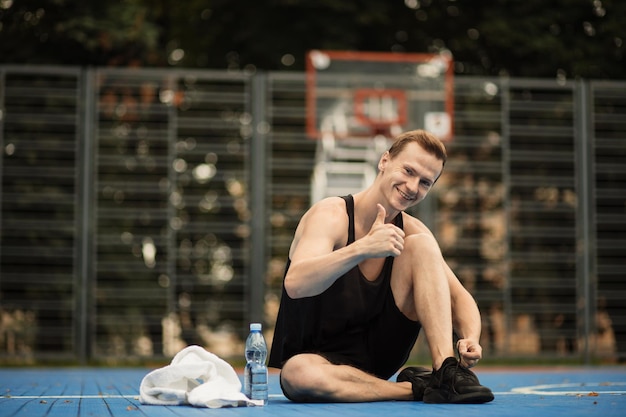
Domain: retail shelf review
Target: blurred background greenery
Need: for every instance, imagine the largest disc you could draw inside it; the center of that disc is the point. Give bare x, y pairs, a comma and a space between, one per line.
531, 38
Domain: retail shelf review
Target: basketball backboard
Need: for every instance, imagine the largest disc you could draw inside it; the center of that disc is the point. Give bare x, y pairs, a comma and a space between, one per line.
364, 94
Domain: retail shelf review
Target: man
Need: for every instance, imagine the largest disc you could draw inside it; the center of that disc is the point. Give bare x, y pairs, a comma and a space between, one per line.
362, 278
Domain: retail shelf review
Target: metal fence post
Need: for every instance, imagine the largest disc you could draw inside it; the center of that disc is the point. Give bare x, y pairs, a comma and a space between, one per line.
258, 232
2, 116
84, 212
584, 225
171, 245
506, 180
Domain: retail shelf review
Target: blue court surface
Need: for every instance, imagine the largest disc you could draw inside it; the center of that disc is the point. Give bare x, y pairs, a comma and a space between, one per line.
538, 392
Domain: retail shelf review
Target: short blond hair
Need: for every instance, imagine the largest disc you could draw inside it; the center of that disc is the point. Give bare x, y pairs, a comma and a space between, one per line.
429, 142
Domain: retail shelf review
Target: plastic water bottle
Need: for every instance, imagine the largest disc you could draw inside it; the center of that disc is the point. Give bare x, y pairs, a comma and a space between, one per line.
255, 374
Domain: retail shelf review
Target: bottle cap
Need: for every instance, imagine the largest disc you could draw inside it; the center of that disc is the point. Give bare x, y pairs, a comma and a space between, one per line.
255, 326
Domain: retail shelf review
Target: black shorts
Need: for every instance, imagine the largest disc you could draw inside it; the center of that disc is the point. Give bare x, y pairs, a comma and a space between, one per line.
380, 348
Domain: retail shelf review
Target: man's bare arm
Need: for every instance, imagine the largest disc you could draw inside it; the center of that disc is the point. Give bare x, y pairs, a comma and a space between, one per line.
317, 259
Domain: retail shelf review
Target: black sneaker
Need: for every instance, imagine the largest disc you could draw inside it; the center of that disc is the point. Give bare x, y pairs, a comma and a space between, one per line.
455, 384
419, 377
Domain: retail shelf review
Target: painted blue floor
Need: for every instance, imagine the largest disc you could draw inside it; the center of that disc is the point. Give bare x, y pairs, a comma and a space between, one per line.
540, 392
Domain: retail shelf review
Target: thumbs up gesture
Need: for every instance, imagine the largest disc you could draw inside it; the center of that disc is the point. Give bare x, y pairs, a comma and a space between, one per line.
384, 239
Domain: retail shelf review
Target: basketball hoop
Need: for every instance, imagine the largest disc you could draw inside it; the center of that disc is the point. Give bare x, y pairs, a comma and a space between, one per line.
366, 94
380, 109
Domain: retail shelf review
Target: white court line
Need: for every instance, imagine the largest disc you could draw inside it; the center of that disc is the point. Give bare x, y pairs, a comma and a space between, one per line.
68, 397
530, 390
588, 388
80, 397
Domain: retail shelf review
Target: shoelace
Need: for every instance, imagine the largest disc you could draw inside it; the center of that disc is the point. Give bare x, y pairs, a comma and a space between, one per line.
465, 373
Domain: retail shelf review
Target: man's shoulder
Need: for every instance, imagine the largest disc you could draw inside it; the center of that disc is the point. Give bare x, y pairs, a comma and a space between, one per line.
326, 219
329, 211
329, 205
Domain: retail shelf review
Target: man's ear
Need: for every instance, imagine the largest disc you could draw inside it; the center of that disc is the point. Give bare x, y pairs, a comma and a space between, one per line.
382, 164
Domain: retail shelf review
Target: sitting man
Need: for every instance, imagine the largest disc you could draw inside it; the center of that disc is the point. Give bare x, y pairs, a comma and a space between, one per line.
362, 279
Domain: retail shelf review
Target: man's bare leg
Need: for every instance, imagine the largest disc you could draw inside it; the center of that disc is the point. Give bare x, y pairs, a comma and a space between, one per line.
422, 292
312, 378
429, 299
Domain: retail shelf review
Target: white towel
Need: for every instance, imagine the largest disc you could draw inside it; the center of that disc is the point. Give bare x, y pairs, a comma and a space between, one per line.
194, 377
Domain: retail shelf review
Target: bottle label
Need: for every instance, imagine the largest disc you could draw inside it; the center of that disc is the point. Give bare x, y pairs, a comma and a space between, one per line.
259, 376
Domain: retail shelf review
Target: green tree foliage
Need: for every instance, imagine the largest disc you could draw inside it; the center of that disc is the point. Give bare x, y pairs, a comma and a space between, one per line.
532, 38
77, 32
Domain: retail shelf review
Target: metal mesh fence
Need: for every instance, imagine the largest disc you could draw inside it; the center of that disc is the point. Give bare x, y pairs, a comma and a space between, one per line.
143, 210
40, 230
171, 211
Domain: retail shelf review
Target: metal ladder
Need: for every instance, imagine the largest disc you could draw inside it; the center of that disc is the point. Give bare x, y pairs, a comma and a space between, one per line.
345, 166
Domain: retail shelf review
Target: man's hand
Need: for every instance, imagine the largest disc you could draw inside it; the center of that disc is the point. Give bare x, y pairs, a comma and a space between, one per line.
384, 239
470, 352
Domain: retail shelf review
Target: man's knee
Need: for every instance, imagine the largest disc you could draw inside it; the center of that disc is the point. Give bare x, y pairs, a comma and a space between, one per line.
420, 251
421, 244
290, 376
301, 380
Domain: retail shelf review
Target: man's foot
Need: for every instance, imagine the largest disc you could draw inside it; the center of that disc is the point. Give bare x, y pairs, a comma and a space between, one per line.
418, 377
456, 384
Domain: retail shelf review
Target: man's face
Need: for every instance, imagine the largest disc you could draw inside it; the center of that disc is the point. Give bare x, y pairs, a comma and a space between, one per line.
409, 176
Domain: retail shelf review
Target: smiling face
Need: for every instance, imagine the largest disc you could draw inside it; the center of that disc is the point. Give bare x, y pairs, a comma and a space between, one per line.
408, 176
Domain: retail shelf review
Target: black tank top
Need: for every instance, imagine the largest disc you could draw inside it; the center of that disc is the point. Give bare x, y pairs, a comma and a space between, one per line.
355, 321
